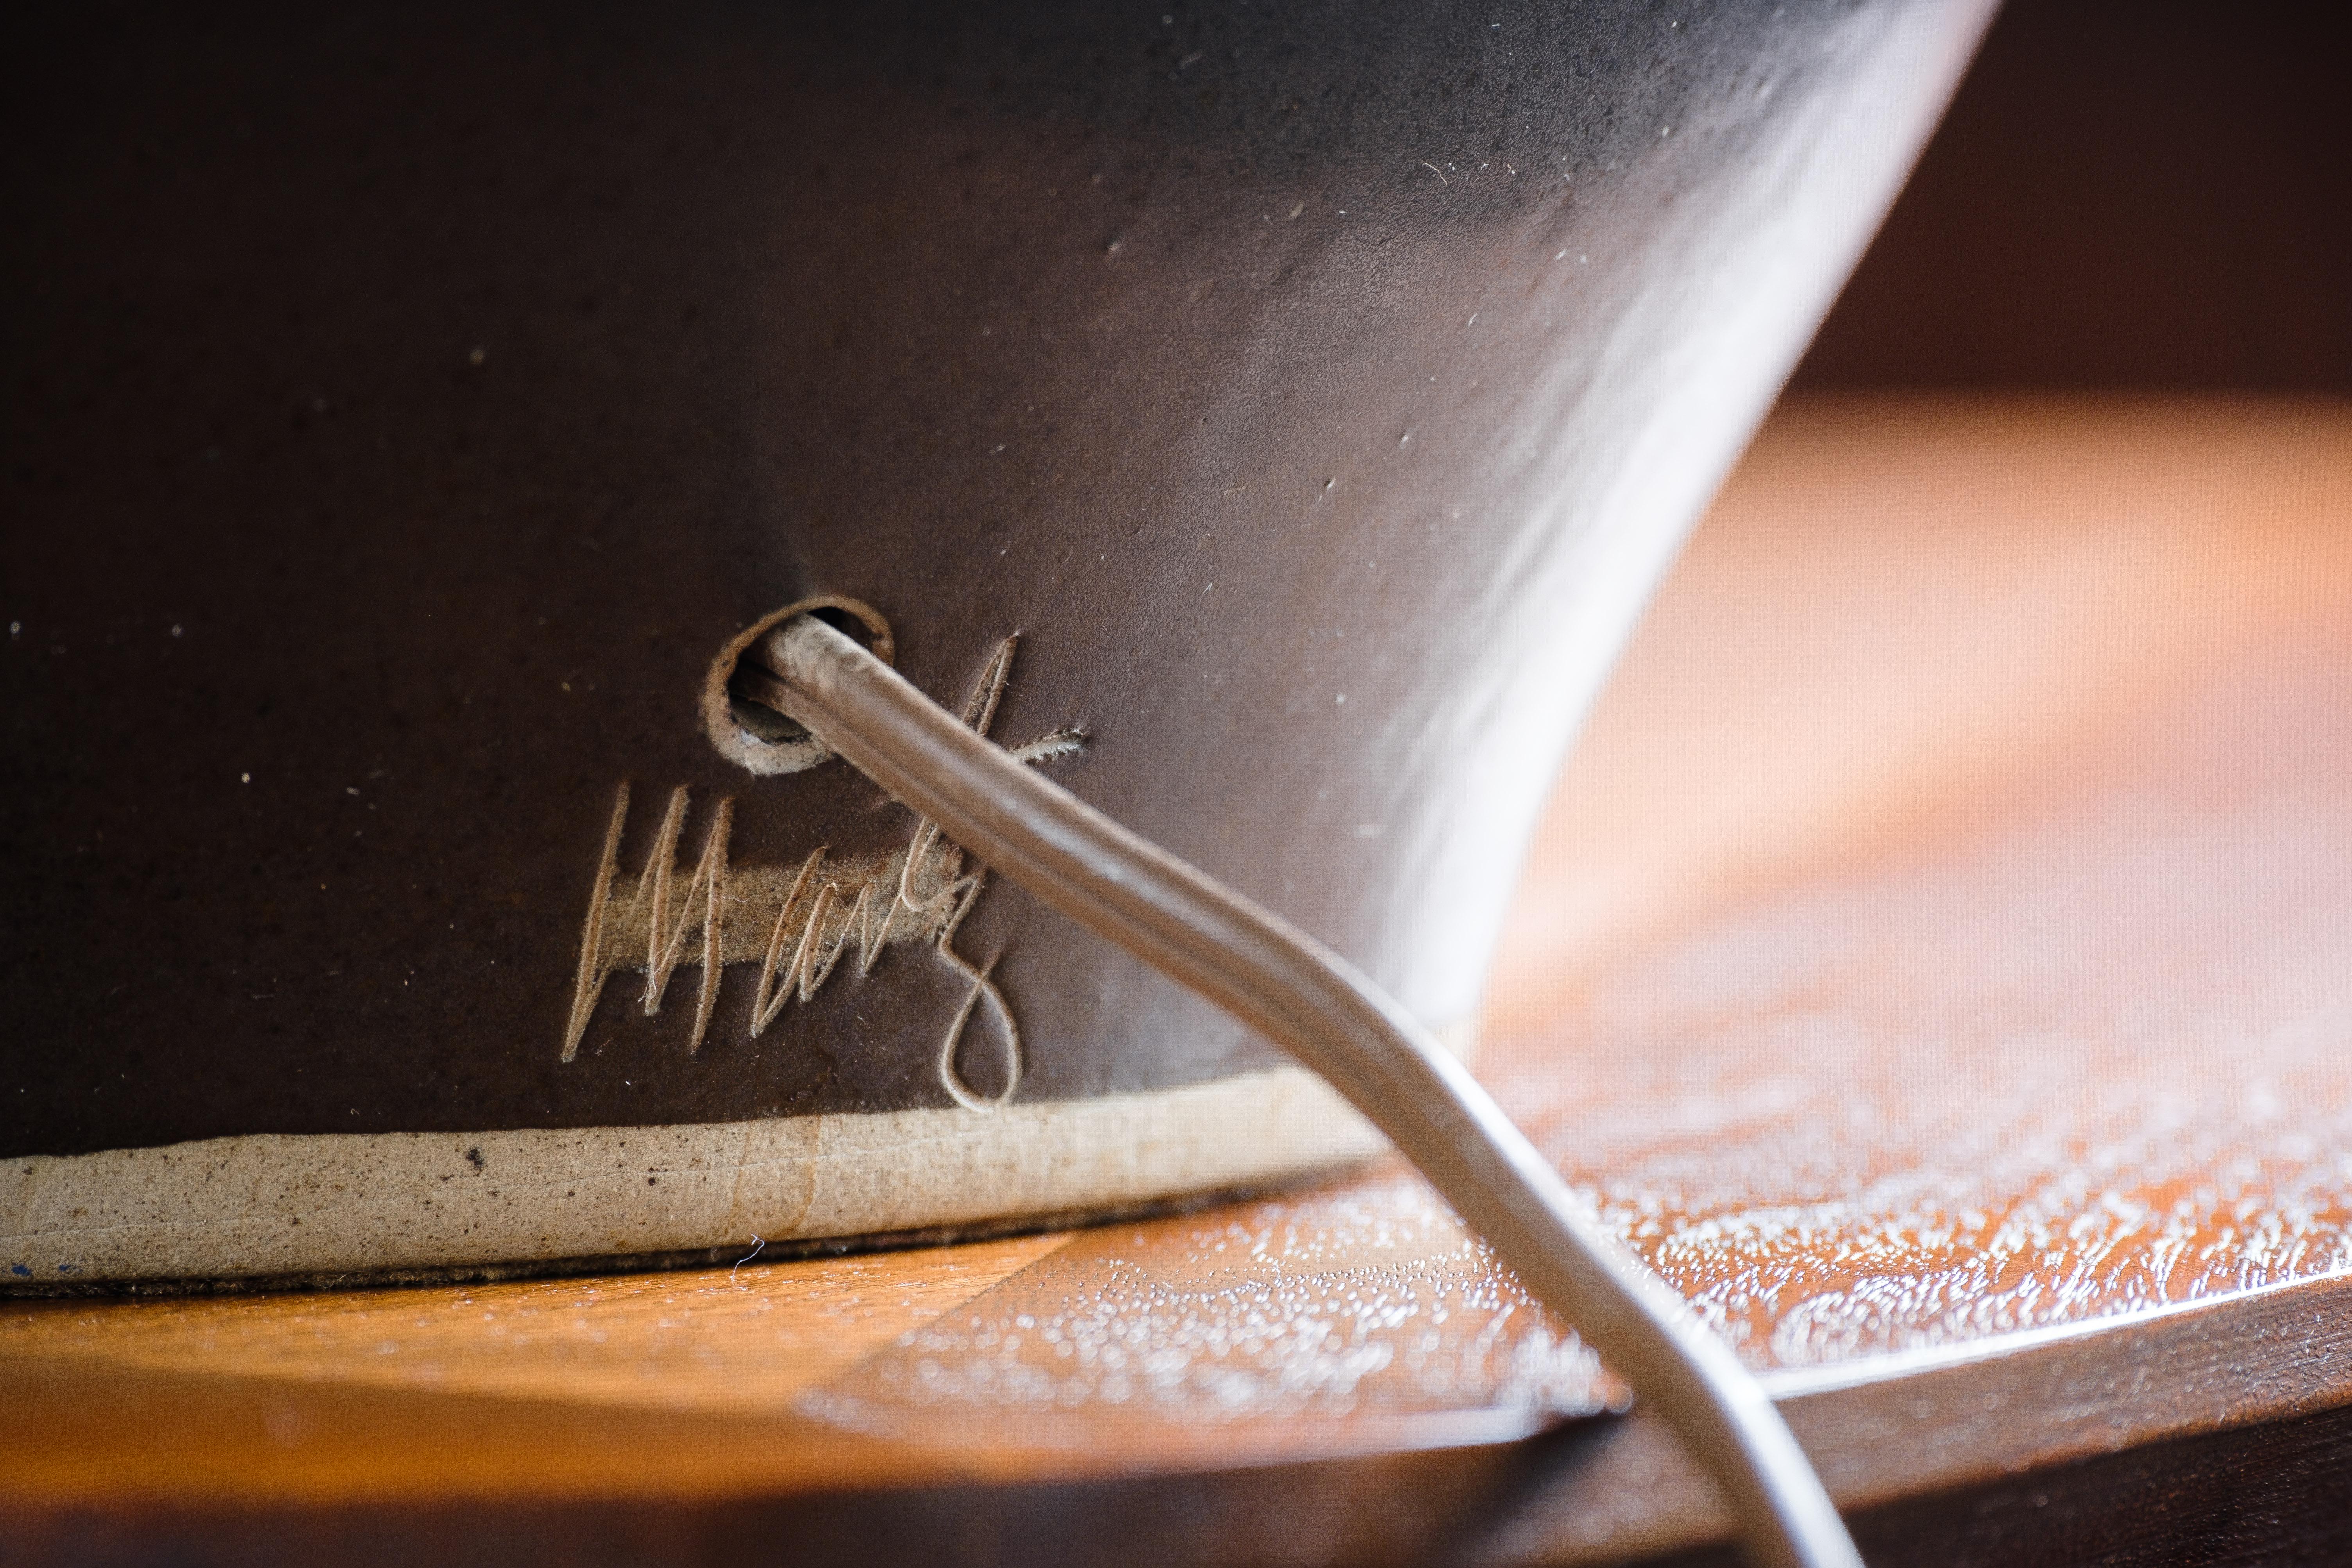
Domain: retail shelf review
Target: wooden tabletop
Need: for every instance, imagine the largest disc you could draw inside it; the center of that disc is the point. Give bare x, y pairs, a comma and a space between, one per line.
1938, 963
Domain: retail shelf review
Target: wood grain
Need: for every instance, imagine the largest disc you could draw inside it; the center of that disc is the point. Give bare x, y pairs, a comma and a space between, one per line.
1935, 967
737, 1340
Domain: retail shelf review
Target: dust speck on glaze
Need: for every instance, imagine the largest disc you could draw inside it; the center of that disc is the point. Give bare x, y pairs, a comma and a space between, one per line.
538, 353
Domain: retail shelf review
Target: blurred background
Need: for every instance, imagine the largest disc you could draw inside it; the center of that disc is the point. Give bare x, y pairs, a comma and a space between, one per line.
2077, 434
2127, 194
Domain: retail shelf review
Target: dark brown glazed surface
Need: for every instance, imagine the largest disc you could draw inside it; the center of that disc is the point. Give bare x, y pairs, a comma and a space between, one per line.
405, 403
2093, 998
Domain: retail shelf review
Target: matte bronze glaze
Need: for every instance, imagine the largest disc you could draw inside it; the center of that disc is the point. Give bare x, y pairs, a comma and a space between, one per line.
409, 403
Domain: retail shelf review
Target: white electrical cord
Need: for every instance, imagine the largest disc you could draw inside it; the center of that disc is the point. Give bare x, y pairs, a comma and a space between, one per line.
1312, 1003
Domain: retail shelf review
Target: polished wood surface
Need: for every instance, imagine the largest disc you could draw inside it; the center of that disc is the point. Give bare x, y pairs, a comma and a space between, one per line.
1936, 964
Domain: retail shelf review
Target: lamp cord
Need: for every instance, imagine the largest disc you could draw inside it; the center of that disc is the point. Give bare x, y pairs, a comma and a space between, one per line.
1280, 981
